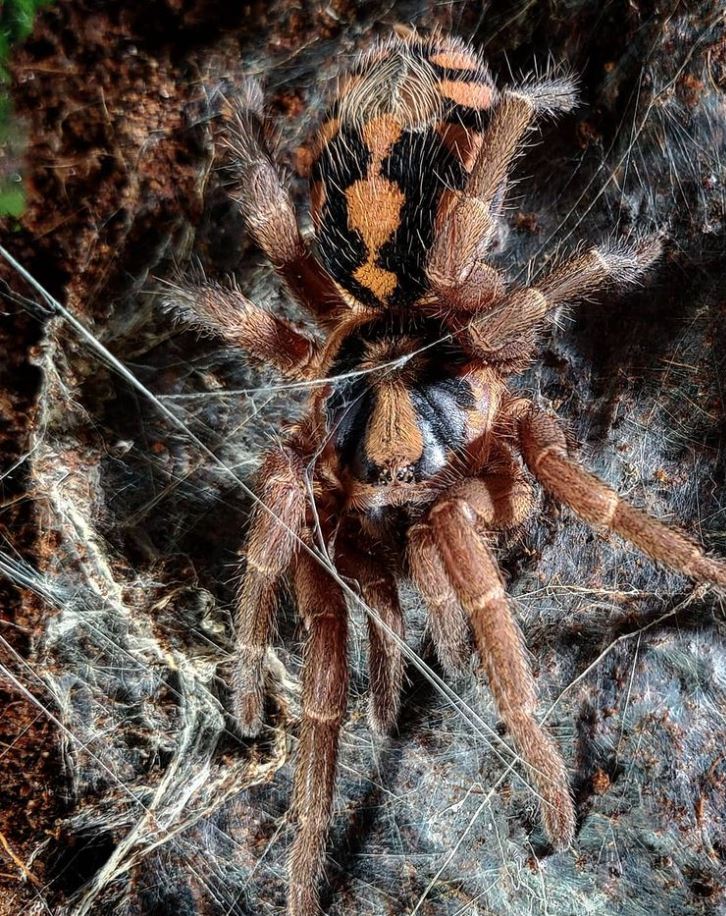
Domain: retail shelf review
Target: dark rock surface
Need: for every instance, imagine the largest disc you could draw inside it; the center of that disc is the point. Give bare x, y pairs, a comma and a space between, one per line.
126, 790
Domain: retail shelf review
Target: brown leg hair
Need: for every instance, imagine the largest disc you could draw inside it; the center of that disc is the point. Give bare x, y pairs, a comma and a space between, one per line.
256, 185
456, 271
447, 622
324, 695
269, 553
368, 564
226, 312
511, 326
474, 575
545, 451
502, 500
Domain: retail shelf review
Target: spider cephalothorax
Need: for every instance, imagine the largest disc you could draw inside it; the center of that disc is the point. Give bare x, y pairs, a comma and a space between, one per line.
413, 451
404, 405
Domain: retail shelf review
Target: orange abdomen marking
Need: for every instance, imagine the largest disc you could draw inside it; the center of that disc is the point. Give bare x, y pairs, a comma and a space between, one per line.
374, 207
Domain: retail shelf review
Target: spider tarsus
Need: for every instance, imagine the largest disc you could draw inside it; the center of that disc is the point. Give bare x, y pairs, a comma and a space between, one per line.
250, 96
249, 136
710, 570
454, 656
559, 822
251, 729
650, 248
547, 771
303, 899
248, 706
626, 261
549, 96
382, 720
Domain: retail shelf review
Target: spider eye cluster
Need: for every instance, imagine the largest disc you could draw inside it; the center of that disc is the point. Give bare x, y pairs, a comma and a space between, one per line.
406, 474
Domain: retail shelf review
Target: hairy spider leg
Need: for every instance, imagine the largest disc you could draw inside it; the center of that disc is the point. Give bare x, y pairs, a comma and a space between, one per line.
545, 451
447, 622
324, 697
270, 548
256, 185
456, 522
367, 563
227, 313
505, 500
506, 334
456, 270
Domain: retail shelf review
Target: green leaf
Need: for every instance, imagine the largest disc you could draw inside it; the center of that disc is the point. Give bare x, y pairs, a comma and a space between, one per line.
12, 201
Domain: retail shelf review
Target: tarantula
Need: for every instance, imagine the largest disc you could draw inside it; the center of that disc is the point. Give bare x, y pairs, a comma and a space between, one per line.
413, 452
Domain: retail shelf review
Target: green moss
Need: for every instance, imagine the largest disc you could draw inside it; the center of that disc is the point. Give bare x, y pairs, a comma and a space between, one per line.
12, 200
16, 23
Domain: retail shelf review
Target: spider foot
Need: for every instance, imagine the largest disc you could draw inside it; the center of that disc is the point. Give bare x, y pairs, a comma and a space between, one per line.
558, 819
248, 708
382, 719
248, 699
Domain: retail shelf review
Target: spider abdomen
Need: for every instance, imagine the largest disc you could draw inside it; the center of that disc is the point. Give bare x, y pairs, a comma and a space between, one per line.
400, 139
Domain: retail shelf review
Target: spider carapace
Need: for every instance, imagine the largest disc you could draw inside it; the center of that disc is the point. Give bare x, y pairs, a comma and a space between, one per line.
409, 413
405, 404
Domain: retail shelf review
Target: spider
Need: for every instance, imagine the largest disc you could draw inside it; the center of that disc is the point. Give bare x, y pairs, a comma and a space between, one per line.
413, 452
